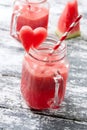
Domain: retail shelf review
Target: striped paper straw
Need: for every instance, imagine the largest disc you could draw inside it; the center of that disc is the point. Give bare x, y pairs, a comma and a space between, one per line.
64, 36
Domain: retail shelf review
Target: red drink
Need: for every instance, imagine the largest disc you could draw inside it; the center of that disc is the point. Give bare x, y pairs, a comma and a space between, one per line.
38, 86
31, 14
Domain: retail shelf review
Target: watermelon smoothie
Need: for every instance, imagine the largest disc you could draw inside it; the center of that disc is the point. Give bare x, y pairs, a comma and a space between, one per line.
38, 85
31, 14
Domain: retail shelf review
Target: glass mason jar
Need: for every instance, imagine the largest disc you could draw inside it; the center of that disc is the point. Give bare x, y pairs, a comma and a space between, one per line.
34, 13
44, 76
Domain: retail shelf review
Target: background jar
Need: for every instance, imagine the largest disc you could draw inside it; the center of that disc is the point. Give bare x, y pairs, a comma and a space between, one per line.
33, 13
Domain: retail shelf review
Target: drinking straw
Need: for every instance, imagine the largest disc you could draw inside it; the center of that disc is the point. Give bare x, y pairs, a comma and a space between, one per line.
64, 36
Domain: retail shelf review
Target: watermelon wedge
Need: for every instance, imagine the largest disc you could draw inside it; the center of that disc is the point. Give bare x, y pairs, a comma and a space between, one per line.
68, 15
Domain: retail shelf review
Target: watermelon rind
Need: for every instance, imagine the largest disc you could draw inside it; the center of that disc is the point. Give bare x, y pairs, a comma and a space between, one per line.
66, 18
71, 35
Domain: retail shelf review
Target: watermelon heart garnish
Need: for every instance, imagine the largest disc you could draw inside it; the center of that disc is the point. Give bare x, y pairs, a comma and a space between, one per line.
26, 37
40, 35
30, 37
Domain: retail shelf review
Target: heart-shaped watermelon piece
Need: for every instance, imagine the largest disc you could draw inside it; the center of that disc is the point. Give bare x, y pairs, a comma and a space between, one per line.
30, 37
26, 37
40, 35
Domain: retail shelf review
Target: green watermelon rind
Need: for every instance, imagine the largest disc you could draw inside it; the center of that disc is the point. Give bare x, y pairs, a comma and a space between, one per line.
71, 35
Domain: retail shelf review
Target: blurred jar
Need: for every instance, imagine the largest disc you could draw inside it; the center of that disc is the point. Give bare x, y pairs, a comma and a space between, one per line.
34, 13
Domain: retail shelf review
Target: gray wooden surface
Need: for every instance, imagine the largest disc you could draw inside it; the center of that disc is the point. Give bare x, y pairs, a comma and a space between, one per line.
14, 114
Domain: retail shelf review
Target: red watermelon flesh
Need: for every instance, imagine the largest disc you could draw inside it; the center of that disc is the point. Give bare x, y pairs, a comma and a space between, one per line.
68, 15
30, 37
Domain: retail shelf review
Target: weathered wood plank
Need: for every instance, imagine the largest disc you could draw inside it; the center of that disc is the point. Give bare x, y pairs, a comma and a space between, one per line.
74, 106
21, 119
5, 17
6, 3
11, 54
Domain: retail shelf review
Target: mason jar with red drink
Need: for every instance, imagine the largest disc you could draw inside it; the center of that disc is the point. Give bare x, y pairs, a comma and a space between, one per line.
44, 76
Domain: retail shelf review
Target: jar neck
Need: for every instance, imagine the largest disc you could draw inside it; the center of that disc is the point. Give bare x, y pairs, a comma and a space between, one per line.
35, 1
31, 1
42, 53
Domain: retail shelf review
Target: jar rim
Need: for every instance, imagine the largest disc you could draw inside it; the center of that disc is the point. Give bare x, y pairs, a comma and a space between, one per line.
36, 1
46, 47
33, 1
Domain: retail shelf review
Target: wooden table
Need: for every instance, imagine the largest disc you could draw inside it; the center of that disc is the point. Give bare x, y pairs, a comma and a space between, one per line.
14, 114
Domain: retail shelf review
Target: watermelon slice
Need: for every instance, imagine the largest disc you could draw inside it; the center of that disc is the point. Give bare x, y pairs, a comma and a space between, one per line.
68, 15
